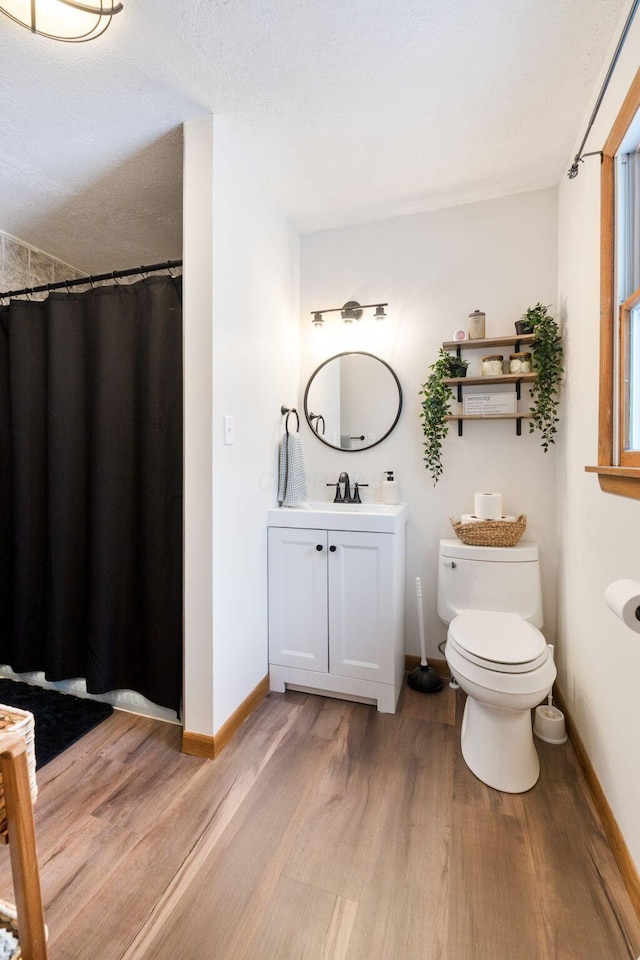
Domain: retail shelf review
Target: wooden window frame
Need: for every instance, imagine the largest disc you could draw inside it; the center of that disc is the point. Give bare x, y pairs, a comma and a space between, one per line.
623, 480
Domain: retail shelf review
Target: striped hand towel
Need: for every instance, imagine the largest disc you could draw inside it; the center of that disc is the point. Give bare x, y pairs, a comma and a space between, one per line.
292, 480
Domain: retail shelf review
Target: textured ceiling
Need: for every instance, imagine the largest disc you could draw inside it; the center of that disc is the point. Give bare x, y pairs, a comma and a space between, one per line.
351, 110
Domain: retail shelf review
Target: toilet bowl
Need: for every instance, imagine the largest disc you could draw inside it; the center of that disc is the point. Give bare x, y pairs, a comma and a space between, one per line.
490, 598
514, 675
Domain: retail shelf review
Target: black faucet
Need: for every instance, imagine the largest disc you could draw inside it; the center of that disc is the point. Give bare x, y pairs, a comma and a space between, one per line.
344, 478
347, 496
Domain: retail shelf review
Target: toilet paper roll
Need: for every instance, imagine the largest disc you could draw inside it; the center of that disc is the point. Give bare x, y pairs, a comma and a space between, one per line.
623, 598
488, 506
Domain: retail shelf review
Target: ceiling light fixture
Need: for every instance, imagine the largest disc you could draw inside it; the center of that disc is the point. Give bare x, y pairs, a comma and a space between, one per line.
350, 311
67, 20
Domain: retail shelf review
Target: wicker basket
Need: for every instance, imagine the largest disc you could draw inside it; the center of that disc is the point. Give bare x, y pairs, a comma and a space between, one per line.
15, 721
490, 533
9, 929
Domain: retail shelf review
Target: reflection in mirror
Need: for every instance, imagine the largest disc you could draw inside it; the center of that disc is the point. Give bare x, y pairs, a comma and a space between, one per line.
353, 401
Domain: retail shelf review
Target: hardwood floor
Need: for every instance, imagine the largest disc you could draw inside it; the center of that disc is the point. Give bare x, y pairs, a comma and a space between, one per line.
324, 831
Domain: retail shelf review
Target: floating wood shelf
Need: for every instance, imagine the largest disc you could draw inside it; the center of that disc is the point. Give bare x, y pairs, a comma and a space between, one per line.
489, 381
518, 417
503, 343
517, 340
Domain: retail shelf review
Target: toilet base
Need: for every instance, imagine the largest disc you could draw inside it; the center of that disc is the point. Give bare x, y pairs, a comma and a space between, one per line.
497, 746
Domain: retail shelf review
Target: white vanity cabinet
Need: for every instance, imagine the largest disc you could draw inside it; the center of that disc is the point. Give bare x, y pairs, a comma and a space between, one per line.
336, 609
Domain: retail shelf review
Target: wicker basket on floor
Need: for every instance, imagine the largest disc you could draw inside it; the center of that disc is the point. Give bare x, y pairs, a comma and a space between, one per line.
15, 721
490, 533
9, 928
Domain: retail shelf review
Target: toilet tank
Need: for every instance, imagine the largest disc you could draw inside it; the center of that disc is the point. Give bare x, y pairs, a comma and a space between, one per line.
489, 578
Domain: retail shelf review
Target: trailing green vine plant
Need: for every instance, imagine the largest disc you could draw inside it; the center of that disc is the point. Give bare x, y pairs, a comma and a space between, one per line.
436, 404
548, 360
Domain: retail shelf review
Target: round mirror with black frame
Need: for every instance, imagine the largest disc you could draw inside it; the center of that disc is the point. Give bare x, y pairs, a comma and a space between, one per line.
352, 401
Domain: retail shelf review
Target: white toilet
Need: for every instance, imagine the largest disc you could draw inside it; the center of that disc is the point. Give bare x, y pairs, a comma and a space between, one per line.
492, 601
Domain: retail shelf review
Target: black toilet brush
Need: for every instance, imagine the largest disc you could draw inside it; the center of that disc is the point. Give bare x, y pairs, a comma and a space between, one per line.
423, 678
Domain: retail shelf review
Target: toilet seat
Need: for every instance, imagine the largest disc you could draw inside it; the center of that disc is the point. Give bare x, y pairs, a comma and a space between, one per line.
498, 641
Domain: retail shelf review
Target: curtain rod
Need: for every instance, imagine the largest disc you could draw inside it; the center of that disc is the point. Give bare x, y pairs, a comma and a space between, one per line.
114, 275
573, 169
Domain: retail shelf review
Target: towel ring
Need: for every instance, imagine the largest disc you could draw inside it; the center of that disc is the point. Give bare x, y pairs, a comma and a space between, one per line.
288, 411
318, 417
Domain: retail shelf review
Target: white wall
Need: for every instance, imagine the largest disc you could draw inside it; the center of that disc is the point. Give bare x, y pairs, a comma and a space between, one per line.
256, 258
434, 269
241, 359
598, 658
198, 432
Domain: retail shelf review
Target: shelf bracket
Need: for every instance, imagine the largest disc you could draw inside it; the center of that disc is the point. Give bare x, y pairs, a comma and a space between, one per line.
459, 428
519, 427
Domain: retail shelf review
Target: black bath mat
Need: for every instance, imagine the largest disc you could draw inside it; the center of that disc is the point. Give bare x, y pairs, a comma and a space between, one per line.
60, 719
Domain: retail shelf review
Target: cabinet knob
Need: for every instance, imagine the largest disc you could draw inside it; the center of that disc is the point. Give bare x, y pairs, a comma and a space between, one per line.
318, 546
333, 549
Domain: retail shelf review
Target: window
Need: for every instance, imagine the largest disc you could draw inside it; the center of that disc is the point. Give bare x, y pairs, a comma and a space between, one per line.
629, 404
619, 416
627, 289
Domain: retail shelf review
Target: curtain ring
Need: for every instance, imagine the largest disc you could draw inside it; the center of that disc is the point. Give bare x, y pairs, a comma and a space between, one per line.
114, 275
90, 279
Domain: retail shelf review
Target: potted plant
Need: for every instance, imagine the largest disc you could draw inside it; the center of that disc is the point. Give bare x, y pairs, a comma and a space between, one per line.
437, 397
548, 359
457, 366
531, 317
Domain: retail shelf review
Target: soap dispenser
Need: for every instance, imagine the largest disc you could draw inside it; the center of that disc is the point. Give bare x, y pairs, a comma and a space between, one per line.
390, 489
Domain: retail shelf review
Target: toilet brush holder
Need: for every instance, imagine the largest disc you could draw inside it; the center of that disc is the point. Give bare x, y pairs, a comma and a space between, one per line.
549, 725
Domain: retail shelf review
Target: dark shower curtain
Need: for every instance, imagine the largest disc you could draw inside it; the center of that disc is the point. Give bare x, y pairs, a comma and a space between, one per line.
91, 487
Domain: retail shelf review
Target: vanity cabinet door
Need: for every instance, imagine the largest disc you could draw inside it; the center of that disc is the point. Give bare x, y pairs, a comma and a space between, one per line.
361, 617
298, 598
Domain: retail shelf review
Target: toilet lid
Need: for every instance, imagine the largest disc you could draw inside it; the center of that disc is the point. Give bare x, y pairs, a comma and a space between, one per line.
498, 640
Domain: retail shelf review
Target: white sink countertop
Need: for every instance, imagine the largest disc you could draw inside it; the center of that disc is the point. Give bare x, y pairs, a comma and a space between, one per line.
323, 515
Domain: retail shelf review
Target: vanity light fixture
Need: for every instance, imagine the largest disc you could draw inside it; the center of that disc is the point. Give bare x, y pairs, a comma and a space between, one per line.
67, 20
350, 311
